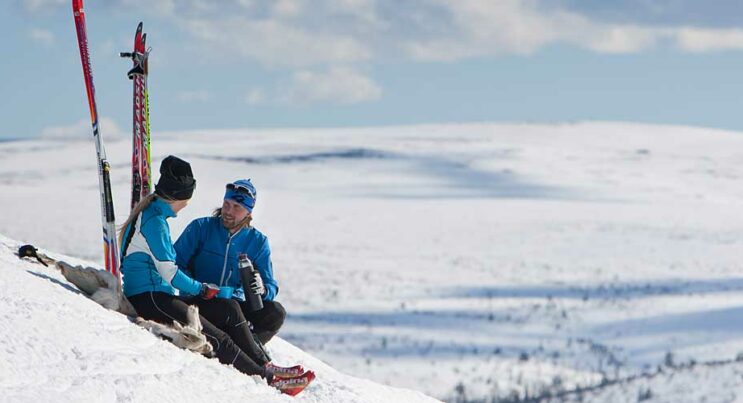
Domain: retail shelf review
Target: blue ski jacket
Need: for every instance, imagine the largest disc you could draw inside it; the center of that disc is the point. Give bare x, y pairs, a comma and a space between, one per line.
208, 252
148, 257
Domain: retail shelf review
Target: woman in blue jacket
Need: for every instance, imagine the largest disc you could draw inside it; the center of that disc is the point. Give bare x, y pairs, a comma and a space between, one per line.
150, 276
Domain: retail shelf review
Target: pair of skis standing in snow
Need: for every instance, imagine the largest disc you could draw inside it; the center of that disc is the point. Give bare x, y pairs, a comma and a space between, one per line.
149, 260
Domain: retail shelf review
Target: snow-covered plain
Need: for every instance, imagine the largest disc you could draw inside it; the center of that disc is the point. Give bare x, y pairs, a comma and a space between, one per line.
468, 262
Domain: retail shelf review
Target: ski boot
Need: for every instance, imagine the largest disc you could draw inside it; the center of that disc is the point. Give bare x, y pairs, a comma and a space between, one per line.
285, 372
293, 386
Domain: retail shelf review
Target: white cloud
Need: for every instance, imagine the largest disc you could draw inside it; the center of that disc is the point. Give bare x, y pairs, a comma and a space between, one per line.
152, 7
486, 28
82, 130
321, 33
338, 85
709, 40
255, 97
110, 47
335, 85
623, 39
275, 43
288, 8
305, 34
194, 96
42, 36
40, 5
363, 8
246, 3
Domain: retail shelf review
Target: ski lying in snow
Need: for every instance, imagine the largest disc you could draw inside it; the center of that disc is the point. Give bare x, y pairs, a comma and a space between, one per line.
141, 178
110, 248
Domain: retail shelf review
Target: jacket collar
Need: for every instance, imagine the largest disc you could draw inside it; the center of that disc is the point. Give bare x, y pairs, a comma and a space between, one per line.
225, 231
162, 207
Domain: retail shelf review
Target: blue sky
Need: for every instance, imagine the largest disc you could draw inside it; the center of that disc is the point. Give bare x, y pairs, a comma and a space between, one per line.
309, 63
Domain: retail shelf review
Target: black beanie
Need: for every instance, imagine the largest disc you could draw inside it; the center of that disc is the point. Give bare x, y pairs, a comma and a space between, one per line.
176, 179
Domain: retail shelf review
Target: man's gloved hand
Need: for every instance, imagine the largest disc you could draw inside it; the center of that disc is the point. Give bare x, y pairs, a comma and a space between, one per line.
256, 285
208, 290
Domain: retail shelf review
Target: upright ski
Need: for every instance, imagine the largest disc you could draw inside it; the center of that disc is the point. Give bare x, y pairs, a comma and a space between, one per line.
141, 180
110, 248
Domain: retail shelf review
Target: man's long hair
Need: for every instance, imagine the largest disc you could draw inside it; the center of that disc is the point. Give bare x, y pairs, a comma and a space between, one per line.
244, 224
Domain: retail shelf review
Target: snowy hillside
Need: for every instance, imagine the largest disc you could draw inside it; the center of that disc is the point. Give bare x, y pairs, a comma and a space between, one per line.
468, 262
58, 345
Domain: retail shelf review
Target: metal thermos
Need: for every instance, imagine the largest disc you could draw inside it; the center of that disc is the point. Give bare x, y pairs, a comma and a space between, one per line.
254, 301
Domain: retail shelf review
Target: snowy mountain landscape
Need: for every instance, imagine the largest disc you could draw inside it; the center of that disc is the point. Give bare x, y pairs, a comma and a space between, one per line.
467, 262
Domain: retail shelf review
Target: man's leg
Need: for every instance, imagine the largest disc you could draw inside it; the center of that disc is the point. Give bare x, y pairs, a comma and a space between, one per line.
267, 321
227, 316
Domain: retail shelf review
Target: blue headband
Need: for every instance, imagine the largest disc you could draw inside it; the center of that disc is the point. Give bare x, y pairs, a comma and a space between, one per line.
243, 192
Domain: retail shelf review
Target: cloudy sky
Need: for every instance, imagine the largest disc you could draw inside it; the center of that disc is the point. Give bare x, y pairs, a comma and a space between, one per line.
309, 63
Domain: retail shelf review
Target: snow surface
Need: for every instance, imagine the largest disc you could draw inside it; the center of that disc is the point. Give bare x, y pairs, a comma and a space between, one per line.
58, 345
469, 262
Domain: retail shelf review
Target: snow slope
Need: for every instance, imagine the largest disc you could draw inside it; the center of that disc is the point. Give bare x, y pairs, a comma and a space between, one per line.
469, 262
58, 345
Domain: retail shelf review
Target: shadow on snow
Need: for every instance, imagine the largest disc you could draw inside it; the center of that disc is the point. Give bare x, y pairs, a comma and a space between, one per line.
627, 290
451, 178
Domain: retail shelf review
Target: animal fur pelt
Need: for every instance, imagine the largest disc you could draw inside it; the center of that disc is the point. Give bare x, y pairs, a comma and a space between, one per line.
101, 286
189, 336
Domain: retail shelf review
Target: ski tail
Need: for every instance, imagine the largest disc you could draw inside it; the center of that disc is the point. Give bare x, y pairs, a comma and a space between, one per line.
110, 248
82, 42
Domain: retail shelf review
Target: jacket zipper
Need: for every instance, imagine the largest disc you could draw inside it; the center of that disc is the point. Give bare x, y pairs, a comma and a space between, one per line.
226, 255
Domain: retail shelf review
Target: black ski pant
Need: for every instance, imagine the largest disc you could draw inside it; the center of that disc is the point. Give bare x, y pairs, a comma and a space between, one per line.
165, 308
267, 321
227, 316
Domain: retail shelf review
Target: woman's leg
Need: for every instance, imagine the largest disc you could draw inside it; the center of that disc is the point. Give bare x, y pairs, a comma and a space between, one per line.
227, 316
166, 308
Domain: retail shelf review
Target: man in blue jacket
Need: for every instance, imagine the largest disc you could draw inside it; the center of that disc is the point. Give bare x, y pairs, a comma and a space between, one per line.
209, 248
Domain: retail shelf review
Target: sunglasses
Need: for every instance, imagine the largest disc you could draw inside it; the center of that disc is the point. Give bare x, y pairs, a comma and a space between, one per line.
241, 189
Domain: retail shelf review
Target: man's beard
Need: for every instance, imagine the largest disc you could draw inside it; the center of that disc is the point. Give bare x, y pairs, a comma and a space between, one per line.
229, 223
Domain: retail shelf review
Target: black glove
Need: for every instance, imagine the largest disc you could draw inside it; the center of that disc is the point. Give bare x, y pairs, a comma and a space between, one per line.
208, 291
